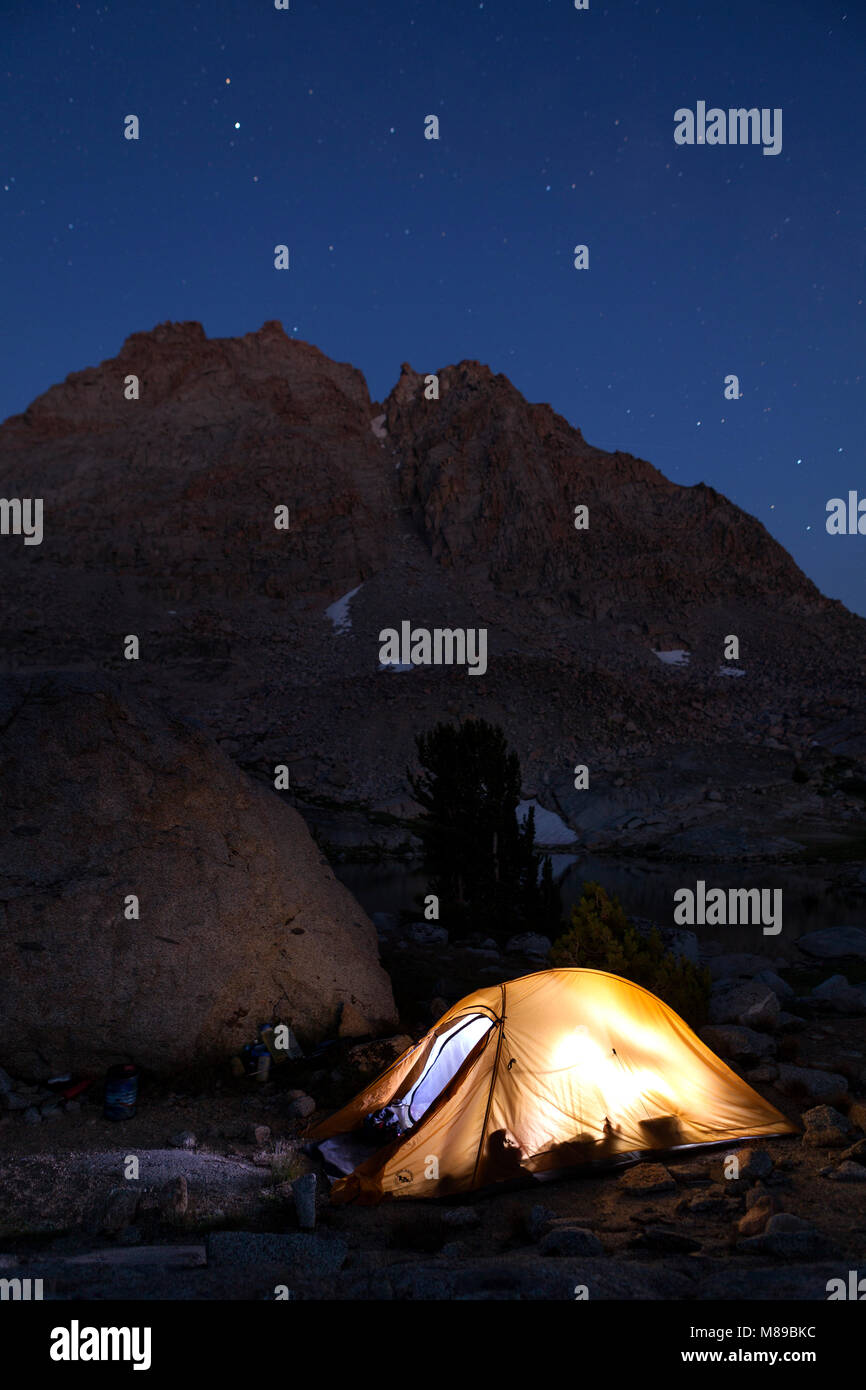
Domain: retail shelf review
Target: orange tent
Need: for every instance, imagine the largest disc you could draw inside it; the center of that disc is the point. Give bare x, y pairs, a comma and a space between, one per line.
551, 1070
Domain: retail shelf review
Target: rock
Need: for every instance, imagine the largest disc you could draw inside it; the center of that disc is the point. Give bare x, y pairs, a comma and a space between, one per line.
32, 1116
353, 1024
184, 1139
767, 1072
751, 1005
738, 965
438, 1007
236, 906
823, 1086
691, 1172
757, 1216
367, 1060
856, 1153
825, 1128
302, 1107
427, 934
460, 1216
261, 1134
831, 943
119, 1210
848, 1171
540, 1220
732, 1041
299, 1255
646, 1179
174, 1198
661, 1241
857, 1114
790, 1023
716, 1202
570, 1239
837, 995
754, 1164
530, 944
780, 987
788, 1237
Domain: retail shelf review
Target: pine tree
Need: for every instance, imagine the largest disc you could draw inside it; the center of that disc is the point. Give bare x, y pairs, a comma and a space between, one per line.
478, 858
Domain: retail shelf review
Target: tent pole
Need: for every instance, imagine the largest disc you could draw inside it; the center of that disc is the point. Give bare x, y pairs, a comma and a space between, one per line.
492, 1084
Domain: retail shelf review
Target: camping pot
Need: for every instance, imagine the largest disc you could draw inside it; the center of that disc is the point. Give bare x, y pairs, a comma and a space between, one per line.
121, 1091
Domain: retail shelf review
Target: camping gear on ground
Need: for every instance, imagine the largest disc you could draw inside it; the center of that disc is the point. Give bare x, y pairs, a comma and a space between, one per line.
266, 1033
557, 1069
382, 1127
121, 1091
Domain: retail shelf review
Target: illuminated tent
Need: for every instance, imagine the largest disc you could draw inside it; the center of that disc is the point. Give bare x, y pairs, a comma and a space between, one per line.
559, 1068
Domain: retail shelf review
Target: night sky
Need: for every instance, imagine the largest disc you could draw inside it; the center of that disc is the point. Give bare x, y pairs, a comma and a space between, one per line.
306, 127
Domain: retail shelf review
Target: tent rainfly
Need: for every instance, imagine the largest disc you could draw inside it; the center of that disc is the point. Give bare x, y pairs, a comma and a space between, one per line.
556, 1069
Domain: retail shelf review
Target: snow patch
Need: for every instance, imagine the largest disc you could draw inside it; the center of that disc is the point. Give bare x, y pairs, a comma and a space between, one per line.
675, 658
377, 425
339, 611
550, 829
731, 671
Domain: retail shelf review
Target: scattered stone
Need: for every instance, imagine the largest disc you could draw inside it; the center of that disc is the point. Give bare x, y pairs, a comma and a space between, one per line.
827, 1088
119, 1210
530, 944
300, 1254
754, 1164
826, 1128
741, 1043
837, 995
849, 1172
460, 1216
540, 1220
766, 1072
661, 1241
857, 1114
780, 987
831, 943
167, 1256
646, 1179
427, 934
174, 1198
716, 1202
736, 965
569, 1239
691, 1172
184, 1139
757, 1215
749, 1004
302, 1107
789, 1237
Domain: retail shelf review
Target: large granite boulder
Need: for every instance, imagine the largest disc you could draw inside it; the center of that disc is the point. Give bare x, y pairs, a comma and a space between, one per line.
241, 920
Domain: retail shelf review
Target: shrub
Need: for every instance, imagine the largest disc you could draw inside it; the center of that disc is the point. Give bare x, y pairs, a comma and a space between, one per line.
601, 937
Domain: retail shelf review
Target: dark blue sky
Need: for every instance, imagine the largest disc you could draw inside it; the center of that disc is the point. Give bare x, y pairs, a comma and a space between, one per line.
556, 129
